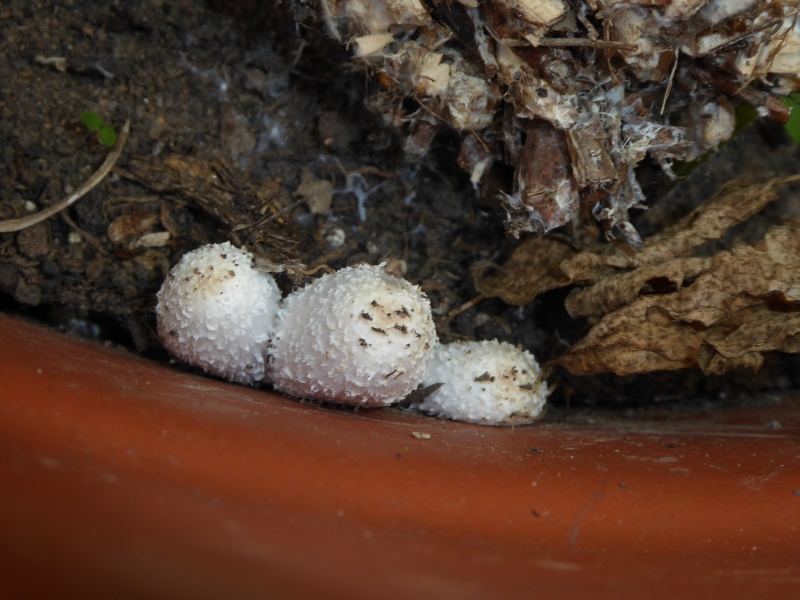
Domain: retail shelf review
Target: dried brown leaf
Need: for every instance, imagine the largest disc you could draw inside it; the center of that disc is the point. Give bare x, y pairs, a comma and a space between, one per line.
734, 203
663, 255
318, 193
636, 339
747, 302
616, 271
611, 293
592, 266
754, 330
546, 194
531, 270
768, 271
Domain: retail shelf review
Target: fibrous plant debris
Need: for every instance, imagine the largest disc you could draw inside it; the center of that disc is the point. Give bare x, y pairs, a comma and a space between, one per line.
717, 312
574, 95
222, 194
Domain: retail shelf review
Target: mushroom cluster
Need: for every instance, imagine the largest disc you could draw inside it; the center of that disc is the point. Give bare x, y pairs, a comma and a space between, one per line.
358, 336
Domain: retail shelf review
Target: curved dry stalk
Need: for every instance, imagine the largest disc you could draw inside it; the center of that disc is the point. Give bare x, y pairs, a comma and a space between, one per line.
11, 225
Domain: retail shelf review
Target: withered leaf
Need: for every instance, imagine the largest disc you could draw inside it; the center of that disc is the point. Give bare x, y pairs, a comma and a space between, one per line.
546, 193
636, 339
539, 265
734, 203
531, 270
754, 330
662, 257
616, 291
747, 302
318, 193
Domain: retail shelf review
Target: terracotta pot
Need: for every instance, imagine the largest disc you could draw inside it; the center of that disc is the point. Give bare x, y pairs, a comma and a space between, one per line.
124, 478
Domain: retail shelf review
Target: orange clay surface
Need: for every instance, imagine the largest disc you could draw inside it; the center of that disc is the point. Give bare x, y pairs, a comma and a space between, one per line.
122, 478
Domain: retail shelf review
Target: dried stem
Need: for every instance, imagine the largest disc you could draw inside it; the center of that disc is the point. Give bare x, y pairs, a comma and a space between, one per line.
571, 42
11, 225
669, 83
466, 306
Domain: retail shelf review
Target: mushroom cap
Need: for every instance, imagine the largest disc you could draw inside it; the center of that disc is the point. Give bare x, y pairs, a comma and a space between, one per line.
488, 383
357, 336
216, 311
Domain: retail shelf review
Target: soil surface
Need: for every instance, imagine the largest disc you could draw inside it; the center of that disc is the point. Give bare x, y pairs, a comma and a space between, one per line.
243, 127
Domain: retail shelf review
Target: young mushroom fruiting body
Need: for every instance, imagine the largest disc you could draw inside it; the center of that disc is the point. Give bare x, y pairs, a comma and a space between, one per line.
357, 336
487, 383
217, 311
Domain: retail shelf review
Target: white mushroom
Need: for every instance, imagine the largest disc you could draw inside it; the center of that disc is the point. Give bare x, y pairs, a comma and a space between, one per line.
357, 336
216, 311
488, 383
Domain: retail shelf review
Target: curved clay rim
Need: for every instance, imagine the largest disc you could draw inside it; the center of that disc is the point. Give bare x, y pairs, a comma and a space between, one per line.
123, 478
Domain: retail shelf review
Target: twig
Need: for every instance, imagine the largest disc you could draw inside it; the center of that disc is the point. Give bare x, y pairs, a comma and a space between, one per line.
607, 24
585, 42
482, 143
11, 225
123, 200
98, 245
310, 272
282, 239
604, 44
669, 83
466, 306
370, 170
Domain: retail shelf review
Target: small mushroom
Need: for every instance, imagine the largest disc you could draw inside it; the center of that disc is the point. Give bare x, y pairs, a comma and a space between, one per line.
357, 336
487, 383
217, 311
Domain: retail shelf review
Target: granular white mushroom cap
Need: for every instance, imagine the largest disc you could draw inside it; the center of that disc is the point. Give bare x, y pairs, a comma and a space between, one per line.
216, 311
488, 383
357, 336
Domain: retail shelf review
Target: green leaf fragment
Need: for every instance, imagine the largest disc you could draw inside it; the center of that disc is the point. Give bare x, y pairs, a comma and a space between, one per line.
93, 121
107, 135
793, 126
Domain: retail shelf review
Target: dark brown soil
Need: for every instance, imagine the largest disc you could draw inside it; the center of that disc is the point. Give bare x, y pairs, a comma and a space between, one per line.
229, 106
